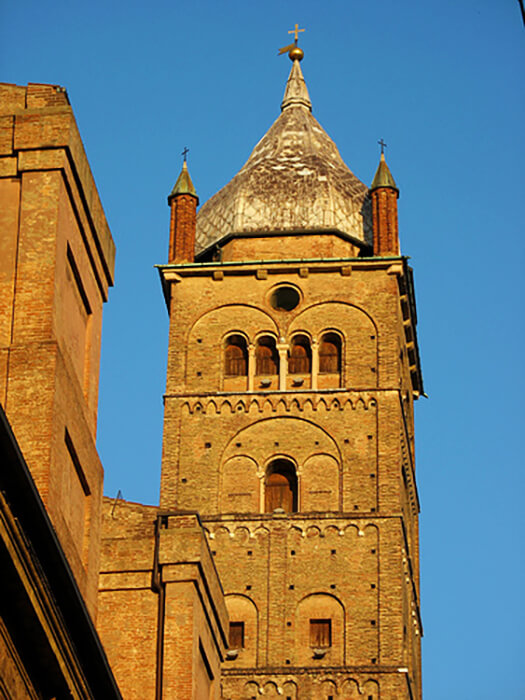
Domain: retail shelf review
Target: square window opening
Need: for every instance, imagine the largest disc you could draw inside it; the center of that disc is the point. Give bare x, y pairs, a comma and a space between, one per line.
236, 638
320, 634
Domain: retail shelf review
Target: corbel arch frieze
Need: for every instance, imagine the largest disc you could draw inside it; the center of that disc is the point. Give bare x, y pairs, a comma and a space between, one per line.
279, 403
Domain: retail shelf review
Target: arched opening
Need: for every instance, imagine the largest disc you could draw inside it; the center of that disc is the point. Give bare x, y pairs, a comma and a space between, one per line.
235, 357
280, 487
330, 354
266, 357
300, 361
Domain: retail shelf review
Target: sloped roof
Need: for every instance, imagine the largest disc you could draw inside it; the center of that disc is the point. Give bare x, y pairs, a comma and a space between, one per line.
184, 185
383, 176
294, 180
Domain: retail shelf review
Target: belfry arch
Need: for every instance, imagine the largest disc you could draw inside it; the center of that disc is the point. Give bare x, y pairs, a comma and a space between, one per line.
288, 455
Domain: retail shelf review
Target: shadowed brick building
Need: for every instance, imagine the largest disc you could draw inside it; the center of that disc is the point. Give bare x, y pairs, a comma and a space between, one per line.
56, 263
282, 560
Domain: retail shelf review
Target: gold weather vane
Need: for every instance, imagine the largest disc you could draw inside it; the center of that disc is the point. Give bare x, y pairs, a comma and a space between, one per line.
295, 53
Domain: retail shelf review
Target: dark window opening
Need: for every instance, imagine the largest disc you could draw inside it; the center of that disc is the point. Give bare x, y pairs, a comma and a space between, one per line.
236, 357
330, 354
320, 634
266, 357
236, 639
285, 298
281, 487
300, 361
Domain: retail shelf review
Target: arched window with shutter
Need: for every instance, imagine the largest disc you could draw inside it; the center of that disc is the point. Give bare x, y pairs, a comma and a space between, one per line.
266, 357
300, 361
330, 354
235, 357
281, 487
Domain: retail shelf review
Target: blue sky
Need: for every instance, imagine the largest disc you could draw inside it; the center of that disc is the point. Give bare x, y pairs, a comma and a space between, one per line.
442, 83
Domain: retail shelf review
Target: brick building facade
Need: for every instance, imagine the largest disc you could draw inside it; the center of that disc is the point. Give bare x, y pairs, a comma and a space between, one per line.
283, 558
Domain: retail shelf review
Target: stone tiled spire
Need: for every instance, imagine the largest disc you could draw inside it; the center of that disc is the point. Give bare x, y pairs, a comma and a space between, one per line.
294, 181
296, 92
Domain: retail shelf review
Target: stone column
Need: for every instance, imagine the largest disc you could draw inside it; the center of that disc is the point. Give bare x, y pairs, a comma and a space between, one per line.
282, 349
315, 364
251, 367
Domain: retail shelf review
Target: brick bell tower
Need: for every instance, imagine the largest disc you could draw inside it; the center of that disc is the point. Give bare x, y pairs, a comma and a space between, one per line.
292, 371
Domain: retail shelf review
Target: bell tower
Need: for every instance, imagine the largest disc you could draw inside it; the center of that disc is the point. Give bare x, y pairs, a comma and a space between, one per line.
292, 371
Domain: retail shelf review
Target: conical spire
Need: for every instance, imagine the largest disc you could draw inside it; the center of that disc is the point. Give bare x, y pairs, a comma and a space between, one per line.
294, 181
184, 185
296, 92
383, 176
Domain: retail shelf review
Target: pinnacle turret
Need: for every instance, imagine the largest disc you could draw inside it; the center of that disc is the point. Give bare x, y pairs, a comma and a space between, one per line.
383, 176
183, 202
383, 194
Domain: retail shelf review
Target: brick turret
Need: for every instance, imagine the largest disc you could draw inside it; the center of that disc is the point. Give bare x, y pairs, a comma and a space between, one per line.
384, 194
183, 202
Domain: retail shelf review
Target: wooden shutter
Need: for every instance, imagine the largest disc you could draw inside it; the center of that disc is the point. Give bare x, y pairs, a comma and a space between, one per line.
300, 361
266, 357
320, 634
237, 635
279, 493
330, 354
236, 358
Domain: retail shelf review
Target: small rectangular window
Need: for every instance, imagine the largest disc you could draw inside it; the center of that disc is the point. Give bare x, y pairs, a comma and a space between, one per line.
237, 635
320, 634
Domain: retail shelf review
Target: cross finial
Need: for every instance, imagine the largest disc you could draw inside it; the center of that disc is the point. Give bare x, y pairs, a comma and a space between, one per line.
295, 32
383, 145
185, 153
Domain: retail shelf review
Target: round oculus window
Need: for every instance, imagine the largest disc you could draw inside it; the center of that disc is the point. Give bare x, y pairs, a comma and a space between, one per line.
285, 298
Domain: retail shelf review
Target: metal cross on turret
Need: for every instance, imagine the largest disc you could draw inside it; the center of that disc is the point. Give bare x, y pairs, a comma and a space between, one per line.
382, 144
185, 153
295, 31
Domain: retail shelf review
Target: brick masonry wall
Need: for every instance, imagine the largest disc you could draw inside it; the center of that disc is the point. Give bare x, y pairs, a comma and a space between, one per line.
385, 223
277, 247
57, 260
161, 607
350, 552
182, 228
